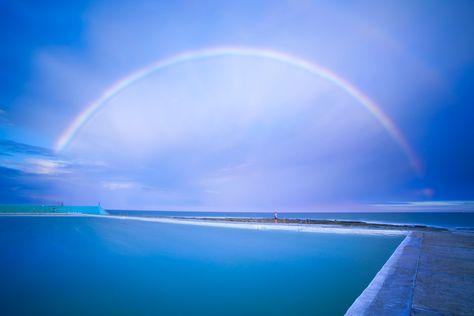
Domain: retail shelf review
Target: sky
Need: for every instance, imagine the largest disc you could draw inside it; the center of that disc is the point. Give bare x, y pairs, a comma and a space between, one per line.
335, 106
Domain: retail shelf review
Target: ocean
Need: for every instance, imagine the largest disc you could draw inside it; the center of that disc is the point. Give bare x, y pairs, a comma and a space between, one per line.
454, 220
102, 266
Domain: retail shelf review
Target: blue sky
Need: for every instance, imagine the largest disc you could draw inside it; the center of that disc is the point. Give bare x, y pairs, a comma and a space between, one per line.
236, 132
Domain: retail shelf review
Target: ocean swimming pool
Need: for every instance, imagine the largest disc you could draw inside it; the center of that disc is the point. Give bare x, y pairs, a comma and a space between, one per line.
85, 265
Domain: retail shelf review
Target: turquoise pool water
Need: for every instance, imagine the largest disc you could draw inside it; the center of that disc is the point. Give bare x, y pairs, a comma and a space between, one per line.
99, 266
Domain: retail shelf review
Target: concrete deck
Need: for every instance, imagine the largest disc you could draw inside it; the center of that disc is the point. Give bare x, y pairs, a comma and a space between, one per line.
430, 273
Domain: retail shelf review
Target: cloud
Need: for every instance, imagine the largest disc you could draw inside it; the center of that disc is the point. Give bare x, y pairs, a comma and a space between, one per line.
28, 173
34, 174
36, 166
3, 118
31, 159
40, 160
44, 166
120, 185
9, 147
19, 187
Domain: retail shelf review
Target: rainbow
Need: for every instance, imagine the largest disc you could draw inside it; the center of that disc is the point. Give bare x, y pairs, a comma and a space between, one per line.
190, 56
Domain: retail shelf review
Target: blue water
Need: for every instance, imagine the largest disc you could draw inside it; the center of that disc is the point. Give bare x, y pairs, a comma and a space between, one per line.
436, 219
100, 266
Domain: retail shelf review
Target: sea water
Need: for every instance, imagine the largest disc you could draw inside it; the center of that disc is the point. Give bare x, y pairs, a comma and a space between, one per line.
103, 266
452, 220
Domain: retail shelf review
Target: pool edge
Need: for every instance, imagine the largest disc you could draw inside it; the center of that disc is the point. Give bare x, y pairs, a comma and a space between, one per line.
400, 271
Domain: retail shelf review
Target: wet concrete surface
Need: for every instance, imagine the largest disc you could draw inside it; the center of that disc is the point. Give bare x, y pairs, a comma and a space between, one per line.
433, 274
444, 283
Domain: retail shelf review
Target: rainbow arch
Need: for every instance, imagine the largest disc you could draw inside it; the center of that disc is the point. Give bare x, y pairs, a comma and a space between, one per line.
91, 109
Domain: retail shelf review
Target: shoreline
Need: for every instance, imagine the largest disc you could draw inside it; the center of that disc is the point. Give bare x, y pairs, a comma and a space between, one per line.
325, 222
304, 225
265, 225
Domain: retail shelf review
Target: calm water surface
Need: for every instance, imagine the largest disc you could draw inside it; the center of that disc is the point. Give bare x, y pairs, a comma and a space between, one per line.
98, 266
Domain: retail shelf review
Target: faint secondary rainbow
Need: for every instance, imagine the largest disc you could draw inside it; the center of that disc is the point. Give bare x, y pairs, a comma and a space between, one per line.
190, 56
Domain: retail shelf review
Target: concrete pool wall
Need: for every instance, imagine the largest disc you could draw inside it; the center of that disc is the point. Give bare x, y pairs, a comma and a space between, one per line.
391, 290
